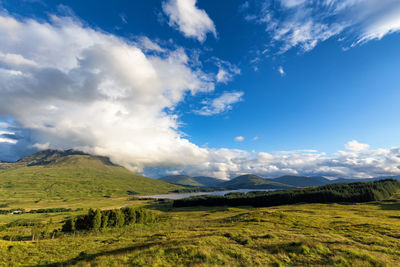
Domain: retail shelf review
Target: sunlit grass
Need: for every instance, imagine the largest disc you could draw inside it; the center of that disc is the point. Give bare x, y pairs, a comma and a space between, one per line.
365, 234
72, 181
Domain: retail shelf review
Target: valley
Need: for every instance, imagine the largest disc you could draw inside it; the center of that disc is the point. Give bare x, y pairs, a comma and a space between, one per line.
69, 184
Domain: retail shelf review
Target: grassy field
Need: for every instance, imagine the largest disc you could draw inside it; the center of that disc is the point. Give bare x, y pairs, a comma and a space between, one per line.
71, 181
365, 234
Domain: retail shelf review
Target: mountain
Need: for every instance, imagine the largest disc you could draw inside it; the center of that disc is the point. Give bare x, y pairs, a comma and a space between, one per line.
73, 174
208, 181
181, 180
250, 181
301, 181
200, 181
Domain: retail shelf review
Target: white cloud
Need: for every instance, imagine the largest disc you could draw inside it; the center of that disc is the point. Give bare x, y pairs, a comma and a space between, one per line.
188, 19
96, 92
304, 24
226, 70
42, 146
255, 138
292, 3
228, 163
354, 145
386, 23
15, 60
7, 136
7, 140
220, 104
222, 76
4, 135
281, 71
148, 45
239, 138
99, 93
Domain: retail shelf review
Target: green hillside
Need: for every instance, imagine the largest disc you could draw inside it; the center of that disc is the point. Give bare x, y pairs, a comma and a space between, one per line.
200, 181
208, 181
181, 180
69, 174
250, 181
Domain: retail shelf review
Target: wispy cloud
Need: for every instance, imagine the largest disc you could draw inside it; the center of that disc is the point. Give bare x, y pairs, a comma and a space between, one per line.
185, 16
123, 18
304, 24
226, 70
7, 137
220, 104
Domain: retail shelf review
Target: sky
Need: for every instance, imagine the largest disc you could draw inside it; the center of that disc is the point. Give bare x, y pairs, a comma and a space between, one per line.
201, 87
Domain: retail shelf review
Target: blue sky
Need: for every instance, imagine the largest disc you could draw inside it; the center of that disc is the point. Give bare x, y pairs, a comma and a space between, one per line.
204, 87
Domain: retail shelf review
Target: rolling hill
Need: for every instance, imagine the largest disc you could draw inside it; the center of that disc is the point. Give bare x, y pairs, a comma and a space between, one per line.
53, 174
181, 180
199, 181
208, 181
250, 181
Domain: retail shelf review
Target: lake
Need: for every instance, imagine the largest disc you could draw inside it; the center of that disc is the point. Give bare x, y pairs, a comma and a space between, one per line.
216, 193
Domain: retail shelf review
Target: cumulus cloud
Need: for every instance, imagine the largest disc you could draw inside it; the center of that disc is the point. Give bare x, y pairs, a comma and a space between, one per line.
68, 86
239, 138
354, 145
304, 24
220, 104
75, 87
185, 16
229, 163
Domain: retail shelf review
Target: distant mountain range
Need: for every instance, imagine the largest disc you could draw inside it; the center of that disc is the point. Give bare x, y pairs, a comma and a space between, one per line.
250, 181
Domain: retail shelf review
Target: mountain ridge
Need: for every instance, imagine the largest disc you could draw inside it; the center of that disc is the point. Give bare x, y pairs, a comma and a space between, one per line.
251, 181
199, 181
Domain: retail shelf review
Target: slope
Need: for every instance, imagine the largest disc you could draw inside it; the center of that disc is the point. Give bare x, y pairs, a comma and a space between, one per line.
208, 181
181, 180
250, 181
71, 174
199, 181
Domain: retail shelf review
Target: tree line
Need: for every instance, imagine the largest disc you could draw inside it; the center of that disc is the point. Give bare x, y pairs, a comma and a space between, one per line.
345, 192
100, 219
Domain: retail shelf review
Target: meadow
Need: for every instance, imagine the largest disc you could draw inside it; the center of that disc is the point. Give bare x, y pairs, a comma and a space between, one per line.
53, 187
351, 234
